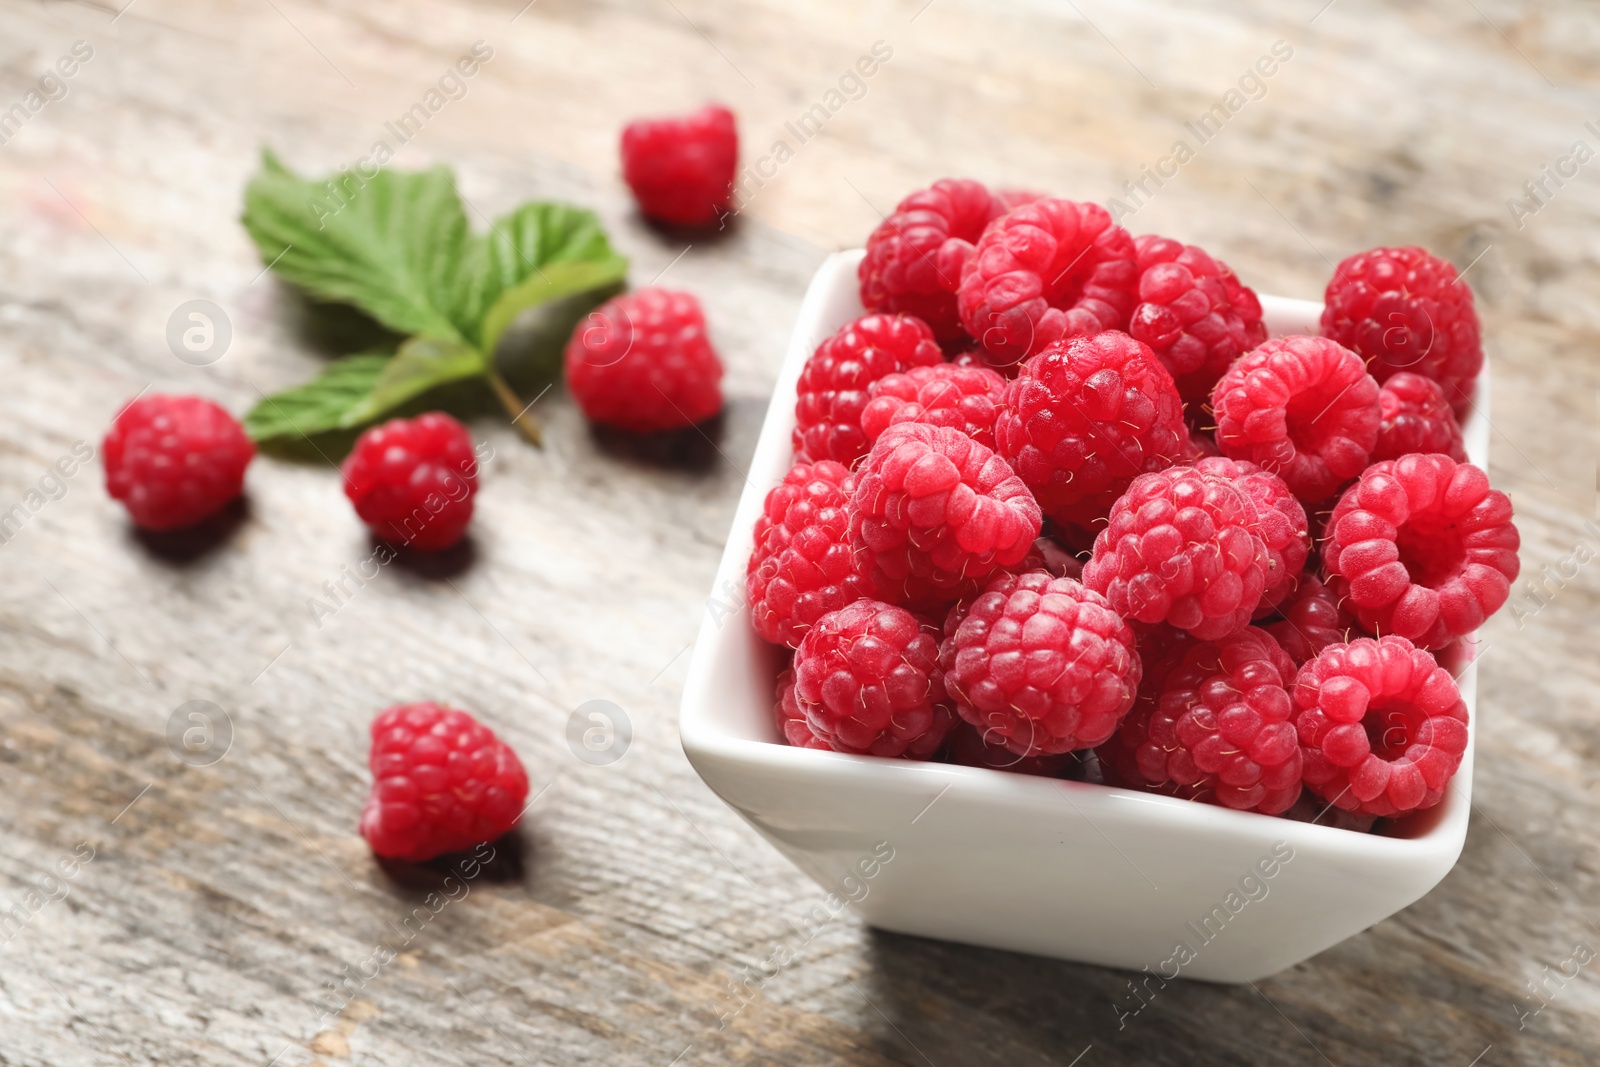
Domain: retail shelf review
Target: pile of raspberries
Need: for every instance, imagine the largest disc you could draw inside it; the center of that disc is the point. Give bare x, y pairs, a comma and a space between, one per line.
1060, 506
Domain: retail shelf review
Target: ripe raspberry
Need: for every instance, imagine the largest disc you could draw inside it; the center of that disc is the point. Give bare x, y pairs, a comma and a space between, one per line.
441, 782
1416, 418
792, 726
914, 258
802, 566
867, 679
1301, 407
1282, 524
681, 169
1423, 548
1216, 726
1181, 547
1040, 664
642, 362
832, 392
967, 747
1200, 446
1193, 313
173, 460
1312, 620
935, 512
1049, 269
412, 480
1402, 309
1084, 417
964, 398
1382, 726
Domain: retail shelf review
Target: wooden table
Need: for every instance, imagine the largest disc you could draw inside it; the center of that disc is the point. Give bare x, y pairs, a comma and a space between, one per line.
223, 902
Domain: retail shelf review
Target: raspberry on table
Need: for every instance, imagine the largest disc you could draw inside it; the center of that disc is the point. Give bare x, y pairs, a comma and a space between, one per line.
1039, 664
174, 460
1303, 408
643, 362
803, 565
1047, 270
1403, 309
1282, 524
967, 747
412, 480
1193, 313
1382, 726
1422, 547
1214, 723
934, 513
833, 389
1312, 619
441, 782
681, 169
1084, 417
867, 679
1182, 547
786, 712
914, 258
963, 398
1416, 418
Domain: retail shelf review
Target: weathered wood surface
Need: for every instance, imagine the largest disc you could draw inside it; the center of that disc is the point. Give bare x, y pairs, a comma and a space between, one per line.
221, 901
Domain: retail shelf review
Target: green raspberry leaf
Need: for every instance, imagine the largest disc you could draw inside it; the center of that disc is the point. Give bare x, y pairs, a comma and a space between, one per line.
422, 363
319, 405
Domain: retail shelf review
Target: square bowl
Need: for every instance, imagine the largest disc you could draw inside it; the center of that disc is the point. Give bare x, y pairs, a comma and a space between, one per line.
1044, 866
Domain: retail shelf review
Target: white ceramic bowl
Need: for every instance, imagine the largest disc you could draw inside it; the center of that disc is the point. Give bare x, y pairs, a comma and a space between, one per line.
1051, 867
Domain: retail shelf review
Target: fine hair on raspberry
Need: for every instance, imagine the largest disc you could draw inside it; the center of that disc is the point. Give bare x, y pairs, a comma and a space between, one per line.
833, 390
965, 398
802, 565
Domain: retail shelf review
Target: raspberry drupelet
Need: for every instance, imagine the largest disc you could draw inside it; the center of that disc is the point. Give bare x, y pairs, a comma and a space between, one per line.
968, 746
1416, 418
643, 362
1382, 726
964, 398
1281, 522
790, 719
1422, 547
681, 169
833, 389
174, 460
1193, 313
1312, 619
867, 679
802, 565
412, 480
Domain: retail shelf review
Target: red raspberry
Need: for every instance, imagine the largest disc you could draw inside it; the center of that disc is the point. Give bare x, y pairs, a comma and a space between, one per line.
1200, 446
934, 513
1047, 270
802, 566
1402, 309
642, 362
1382, 726
412, 480
1193, 313
792, 725
1312, 620
1181, 547
832, 392
1282, 524
681, 169
1215, 726
1301, 407
968, 748
914, 258
1040, 664
173, 460
1423, 548
1416, 418
1084, 417
441, 782
867, 678
964, 398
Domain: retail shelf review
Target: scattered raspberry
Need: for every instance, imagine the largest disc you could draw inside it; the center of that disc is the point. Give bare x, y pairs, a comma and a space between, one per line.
802, 566
935, 513
1282, 524
1312, 620
1382, 726
642, 362
1416, 418
963, 398
1301, 407
792, 725
1040, 664
173, 460
914, 258
1181, 547
441, 782
1216, 726
832, 392
1193, 313
1402, 309
1049, 269
1084, 417
412, 480
681, 169
867, 678
1423, 548
966, 747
